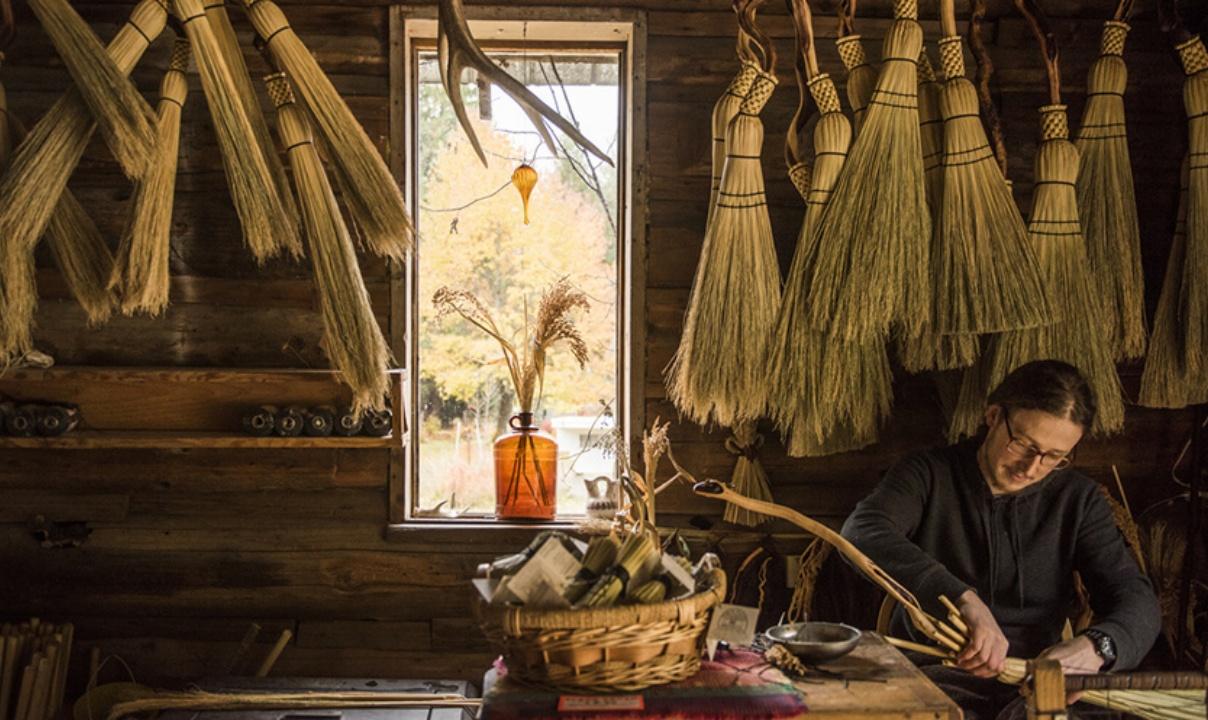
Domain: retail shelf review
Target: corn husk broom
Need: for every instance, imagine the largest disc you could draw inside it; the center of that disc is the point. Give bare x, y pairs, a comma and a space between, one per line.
873, 254
724, 111
1166, 381
827, 395
1107, 202
1077, 335
861, 75
37, 175
267, 229
126, 121
1193, 304
372, 196
352, 336
141, 274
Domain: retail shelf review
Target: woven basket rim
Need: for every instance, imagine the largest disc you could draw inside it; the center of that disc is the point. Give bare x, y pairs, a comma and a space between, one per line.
619, 615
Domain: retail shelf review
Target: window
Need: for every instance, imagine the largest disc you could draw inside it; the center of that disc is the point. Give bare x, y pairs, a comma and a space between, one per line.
472, 236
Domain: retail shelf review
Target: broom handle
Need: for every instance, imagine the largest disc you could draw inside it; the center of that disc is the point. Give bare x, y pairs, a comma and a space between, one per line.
1123, 10
804, 19
1039, 22
847, 17
985, 70
948, 17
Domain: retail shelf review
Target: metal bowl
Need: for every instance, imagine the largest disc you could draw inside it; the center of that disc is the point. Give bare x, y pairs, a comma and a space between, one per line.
815, 642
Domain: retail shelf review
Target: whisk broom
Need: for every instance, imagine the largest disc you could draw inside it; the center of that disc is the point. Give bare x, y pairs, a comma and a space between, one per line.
141, 273
373, 198
1193, 303
724, 111
352, 337
126, 121
873, 253
861, 75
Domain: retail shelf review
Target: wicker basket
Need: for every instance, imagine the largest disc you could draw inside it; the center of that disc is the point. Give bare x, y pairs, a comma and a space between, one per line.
622, 648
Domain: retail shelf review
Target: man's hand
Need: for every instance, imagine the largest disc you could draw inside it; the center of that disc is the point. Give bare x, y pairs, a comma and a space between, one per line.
1077, 657
986, 652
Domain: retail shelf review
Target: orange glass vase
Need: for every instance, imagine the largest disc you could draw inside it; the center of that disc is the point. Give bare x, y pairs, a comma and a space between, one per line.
526, 472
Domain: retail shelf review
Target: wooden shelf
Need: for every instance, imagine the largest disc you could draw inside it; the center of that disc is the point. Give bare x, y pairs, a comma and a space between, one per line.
91, 440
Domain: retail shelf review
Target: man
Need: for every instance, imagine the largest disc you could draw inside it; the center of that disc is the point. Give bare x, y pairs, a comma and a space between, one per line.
998, 526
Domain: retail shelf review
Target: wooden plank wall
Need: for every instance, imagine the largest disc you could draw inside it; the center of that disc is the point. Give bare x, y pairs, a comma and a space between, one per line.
188, 546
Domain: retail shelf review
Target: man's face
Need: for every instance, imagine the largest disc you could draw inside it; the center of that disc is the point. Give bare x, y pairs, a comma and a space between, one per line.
1023, 446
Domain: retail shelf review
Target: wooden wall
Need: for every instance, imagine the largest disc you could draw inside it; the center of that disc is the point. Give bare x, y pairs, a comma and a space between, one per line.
188, 546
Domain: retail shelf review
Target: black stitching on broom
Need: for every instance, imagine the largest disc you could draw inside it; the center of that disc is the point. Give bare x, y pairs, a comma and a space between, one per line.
741, 207
220, 3
962, 115
1197, 115
1102, 125
914, 62
895, 93
1053, 222
142, 32
174, 101
298, 145
274, 33
1055, 234
1116, 136
1052, 182
750, 194
905, 106
186, 21
744, 157
1105, 92
970, 161
925, 123
829, 152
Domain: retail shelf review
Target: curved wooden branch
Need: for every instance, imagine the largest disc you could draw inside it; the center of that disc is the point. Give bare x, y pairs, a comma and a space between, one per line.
805, 67
457, 50
762, 44
846, 13
1171, 22
1039, 22
803, 29
985, 71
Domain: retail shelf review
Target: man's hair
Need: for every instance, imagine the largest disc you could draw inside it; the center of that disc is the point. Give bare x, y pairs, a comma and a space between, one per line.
1051, 386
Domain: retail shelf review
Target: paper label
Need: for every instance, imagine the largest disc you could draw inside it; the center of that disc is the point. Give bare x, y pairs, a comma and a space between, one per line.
600, 703
543, 579
733, 624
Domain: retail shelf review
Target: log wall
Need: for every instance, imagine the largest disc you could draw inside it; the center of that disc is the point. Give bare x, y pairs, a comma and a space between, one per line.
190, 545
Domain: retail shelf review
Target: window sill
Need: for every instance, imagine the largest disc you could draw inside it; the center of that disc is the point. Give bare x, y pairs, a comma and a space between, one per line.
461, 535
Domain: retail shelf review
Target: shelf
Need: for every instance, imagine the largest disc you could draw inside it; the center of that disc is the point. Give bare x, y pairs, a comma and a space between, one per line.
91, 440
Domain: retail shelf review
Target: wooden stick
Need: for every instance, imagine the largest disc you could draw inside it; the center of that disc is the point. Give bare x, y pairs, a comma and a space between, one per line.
27, 683
1039, 22
275, 653
249, 637
64, 664
954, 615
51, 680
41, 687
919, 648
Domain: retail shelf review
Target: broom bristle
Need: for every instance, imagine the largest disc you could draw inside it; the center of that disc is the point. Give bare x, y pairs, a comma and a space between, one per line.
718, 373
749, 478
1194, 297
220, 23
1107, 201
374, 200
125, 119
253, 190
353, 339
141, 273
985, 268
724, 111
6, 136
873, 239
37, 177
861, 76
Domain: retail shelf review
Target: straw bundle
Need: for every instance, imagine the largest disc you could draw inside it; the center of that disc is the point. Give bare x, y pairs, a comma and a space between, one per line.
140, 274
124, 117
718, 373
749, 477
861, 76
872, 267
1166, 381
352, 337
6, 136
1107, 202
372, 195
232, 55
1194, 299
267, 229
37, 175
724, 111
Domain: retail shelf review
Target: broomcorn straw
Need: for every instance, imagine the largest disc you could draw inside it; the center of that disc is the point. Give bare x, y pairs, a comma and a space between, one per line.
267, 229
872, 266
861, 75
37, 175
141, 274
1193, 303
371, 195
124, 117
724, 111
352, 337
1107, 202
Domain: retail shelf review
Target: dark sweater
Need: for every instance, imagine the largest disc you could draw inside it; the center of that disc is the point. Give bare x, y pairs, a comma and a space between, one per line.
933, 524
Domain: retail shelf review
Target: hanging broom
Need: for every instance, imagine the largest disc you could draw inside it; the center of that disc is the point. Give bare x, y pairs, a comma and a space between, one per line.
872, 267
141, 275
37, 176
724, 111
373, 198
267, 228
861, 75
717, 374
352, 337
1193, 303
1166, 382
123, 116
1078, 334
1107, 201
232, 54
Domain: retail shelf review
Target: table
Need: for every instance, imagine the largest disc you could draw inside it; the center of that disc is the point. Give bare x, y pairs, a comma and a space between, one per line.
874, 682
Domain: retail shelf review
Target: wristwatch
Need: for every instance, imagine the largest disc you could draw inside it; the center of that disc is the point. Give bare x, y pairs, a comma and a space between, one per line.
1104, 646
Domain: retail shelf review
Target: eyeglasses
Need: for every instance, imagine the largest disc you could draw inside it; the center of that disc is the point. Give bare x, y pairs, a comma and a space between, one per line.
1028, 452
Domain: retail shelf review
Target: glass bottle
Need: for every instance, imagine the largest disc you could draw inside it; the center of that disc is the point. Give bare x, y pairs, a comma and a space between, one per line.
526, 472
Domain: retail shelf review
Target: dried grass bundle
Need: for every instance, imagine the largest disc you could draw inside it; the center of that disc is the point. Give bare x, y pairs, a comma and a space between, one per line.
1194, 296
123, 116
718, 373
372, 195
232, 55
809, 566
724, 111
861, 76
1166, 381
873, 253
141, 275
267, 229
1107, 202
553, 325
351, 333
749, 477
31, 188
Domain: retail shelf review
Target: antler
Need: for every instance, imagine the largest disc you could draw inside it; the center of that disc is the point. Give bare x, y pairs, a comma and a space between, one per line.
457, 50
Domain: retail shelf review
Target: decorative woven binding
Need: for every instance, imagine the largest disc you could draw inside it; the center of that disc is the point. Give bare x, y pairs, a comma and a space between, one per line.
740, 84
926, 72
1194, 56
851, 51
1114, 35
799, 174
822, 89
908, 9
279, 90
952, 56
1054, 123
761, 90
180, 55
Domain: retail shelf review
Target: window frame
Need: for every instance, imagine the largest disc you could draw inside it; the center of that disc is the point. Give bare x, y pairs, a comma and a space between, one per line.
411, 26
